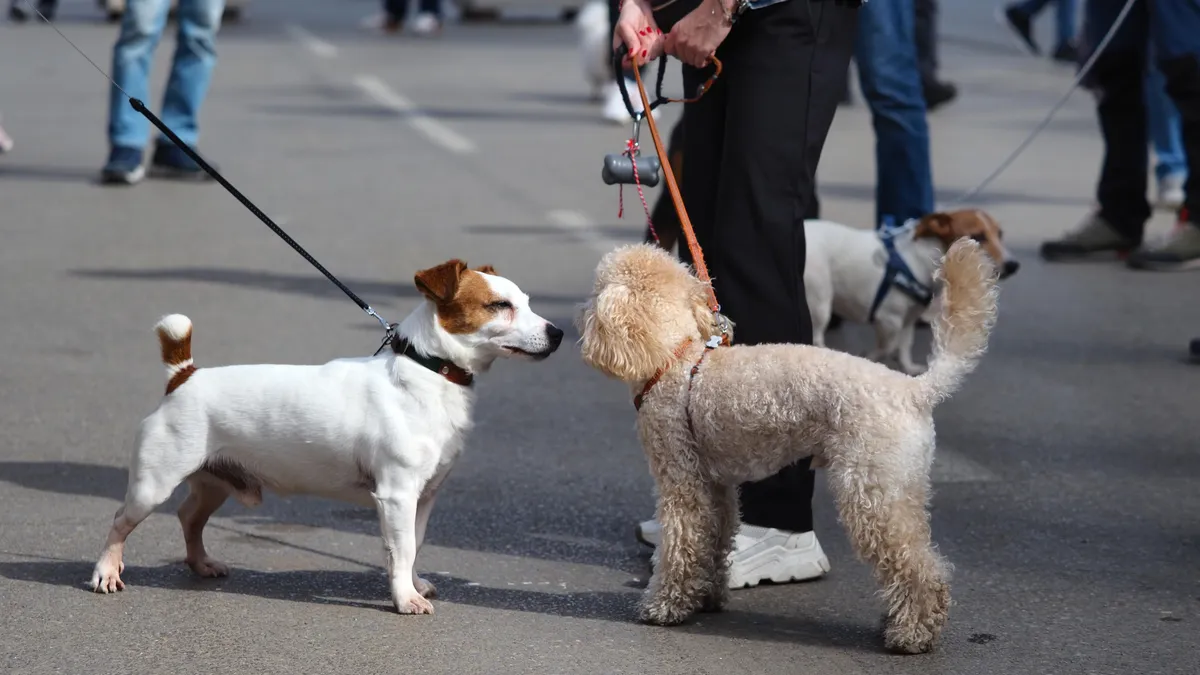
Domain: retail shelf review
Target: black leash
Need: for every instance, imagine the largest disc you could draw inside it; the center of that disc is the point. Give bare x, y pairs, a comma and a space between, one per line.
136, 104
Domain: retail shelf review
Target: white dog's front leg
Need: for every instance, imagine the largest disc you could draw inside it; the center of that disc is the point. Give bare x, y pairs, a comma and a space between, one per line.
424, 507
397, 522
904, 346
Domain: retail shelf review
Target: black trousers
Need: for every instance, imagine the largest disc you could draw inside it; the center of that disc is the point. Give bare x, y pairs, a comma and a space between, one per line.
751, 147
1173, 26
926, 32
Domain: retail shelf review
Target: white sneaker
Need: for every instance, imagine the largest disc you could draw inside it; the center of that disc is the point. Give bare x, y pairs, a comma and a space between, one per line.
614, 104
426, 24
761, 554
6, 143
1170, 192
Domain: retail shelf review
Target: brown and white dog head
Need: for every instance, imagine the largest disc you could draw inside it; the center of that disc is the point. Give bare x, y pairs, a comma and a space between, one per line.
948, 227
481, 316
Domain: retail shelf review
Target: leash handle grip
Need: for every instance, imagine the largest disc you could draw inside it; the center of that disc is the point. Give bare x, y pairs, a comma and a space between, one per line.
618, 65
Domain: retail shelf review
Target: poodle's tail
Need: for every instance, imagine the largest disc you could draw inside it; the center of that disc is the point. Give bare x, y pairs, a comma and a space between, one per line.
175, 338
961, 329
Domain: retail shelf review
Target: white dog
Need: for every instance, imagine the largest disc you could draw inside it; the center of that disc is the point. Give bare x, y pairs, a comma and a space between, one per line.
889, 282
595, 47
380, 431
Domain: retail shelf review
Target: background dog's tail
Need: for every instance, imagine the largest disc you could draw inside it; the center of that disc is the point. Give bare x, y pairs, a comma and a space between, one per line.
961, 329
175, 338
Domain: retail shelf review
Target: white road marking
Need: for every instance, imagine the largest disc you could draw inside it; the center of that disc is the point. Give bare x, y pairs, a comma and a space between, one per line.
954, 467
311, 42
435, 131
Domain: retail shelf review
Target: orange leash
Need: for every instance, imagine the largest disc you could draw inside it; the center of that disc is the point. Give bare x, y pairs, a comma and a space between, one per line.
673, 186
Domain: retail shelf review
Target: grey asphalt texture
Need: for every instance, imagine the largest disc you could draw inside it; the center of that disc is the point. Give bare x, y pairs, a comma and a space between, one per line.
1067, 486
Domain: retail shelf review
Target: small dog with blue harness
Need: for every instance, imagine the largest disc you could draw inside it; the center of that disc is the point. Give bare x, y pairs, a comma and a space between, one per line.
885, 277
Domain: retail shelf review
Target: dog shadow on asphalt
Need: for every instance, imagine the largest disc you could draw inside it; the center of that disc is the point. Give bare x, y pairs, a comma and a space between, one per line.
369, 590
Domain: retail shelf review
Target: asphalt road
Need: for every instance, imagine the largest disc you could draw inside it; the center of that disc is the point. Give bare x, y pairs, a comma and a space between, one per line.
1067, 481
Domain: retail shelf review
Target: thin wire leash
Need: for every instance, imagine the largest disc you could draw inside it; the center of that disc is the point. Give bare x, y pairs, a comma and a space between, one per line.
1079, 77
140, 107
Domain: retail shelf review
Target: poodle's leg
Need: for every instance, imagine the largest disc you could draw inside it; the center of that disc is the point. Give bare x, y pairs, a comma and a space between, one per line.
206, 496
683, 573
888, 524
904, 345
726, 502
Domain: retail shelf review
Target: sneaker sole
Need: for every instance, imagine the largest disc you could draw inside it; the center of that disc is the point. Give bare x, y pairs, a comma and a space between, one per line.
781, 566
1086, 256
123, 178
185, 175
641, 537
1164, 266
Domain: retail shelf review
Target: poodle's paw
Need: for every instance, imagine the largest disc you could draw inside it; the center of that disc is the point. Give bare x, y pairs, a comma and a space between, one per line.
425, 588
909, 639
913, 369
661, 613
714, 603
414, 605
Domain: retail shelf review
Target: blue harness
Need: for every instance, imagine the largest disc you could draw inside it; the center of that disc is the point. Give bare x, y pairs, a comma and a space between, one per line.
896, 273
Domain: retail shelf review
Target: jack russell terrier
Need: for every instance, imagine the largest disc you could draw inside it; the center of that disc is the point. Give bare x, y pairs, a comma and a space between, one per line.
886, 278
380, 431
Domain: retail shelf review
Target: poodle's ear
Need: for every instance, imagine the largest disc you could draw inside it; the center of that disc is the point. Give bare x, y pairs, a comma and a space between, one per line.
620, 336
706, 321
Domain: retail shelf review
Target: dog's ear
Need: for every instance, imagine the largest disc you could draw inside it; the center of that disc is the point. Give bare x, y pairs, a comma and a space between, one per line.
939, 225
486, 269
620, 336
440, 283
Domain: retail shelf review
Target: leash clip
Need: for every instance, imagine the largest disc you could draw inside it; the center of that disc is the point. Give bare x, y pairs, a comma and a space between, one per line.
389, 335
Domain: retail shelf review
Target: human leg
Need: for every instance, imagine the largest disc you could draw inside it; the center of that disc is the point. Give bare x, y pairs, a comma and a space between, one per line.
128, 131
891, 83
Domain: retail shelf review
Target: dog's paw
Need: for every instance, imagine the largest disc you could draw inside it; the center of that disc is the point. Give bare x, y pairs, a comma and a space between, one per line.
659, 613
414, 605
208, 567
107, 579
909, 639
913, 369
425, 588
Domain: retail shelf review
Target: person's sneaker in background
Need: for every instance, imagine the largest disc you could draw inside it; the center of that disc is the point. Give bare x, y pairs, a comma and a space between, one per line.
1194, 350
1021, 24
1170, 192
171, 162
6, 141
426, 25
1179, 250
761, 554
124, 166
938, 94
1093, 235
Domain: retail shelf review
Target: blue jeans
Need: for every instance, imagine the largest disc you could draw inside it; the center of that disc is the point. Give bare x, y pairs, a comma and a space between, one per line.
191, 69
886, 53
1065, 19
1166, 131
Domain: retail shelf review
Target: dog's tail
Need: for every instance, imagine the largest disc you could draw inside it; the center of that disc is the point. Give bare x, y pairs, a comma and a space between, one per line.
962, 327
175, 338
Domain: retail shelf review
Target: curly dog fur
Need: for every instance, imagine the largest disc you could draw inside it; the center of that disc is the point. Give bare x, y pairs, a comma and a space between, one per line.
749, 411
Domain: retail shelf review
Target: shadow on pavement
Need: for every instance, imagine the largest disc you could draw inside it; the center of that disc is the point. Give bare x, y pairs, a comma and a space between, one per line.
370, 590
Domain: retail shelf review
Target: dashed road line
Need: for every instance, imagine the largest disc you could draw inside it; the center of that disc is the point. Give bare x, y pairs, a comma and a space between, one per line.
312, 43
435, 131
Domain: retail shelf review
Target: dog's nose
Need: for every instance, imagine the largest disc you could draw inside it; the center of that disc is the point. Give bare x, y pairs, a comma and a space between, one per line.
555, 334
1010, 268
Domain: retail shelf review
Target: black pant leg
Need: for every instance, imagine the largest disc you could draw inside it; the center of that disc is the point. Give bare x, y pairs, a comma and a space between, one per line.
926, 34
752, 146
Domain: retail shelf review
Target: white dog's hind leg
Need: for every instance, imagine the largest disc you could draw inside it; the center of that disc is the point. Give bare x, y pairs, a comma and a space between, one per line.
397, 523
150, 484
206, 496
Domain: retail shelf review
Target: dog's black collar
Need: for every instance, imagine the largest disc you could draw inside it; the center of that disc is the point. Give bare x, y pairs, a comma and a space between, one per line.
443, 367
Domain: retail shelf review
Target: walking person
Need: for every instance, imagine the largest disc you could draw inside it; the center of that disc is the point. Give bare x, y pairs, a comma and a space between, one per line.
1166, 137
1019, 17
751, 146
427, 22
142, 26
937, 92
18, 10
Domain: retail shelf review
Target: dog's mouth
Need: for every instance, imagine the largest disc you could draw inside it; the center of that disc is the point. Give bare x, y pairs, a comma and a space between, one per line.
536, 356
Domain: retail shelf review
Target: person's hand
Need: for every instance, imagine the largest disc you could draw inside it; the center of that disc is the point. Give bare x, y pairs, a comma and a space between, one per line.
637, 31
697, 35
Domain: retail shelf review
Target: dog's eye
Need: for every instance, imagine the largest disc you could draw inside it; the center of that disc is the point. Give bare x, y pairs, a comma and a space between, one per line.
499, 305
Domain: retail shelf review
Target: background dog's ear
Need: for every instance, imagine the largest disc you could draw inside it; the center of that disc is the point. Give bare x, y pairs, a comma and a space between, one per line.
486, 269
935, 225
621, 336
440, 283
